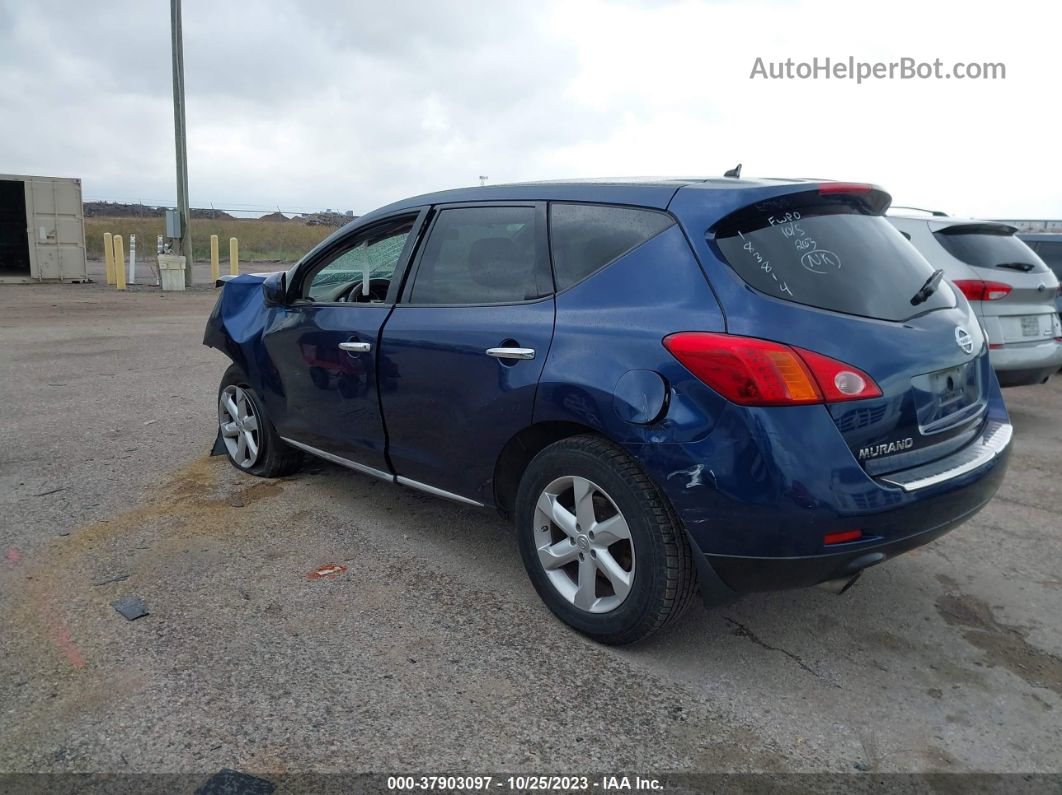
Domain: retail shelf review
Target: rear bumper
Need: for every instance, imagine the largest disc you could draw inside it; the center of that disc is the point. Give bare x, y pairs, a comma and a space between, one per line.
1022, 363
749, 575
758, 495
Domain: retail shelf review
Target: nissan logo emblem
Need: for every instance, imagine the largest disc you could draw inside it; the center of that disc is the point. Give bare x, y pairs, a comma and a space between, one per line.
963, 339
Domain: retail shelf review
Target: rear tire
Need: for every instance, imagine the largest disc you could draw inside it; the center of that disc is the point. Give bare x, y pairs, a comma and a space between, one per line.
634, 574
251, 442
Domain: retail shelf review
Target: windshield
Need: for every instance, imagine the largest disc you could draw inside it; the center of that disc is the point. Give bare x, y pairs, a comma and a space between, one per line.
987, 246
829, 252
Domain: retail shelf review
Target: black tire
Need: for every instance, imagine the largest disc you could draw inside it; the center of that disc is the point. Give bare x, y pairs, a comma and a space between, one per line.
275, 457
664, 577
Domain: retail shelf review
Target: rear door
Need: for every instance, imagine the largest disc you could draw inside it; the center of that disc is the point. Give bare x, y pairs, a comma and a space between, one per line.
462, 353
830, 274
323, 345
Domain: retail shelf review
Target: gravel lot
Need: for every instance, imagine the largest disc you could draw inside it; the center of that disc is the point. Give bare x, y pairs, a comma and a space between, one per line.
432, 651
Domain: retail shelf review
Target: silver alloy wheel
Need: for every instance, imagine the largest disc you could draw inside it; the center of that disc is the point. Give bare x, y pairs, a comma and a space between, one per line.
239, 426
584, 544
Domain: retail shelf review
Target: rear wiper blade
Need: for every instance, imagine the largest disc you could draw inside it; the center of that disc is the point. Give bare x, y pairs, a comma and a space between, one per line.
1025, 267
928, 288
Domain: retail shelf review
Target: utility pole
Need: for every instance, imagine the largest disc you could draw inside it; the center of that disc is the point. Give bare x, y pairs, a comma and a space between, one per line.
181, 138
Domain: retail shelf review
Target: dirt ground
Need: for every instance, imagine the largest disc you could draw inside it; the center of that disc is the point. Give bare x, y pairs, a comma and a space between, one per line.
431, 650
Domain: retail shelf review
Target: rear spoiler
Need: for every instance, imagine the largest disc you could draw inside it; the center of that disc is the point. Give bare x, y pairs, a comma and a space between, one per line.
981, 228
871, 198
220, 281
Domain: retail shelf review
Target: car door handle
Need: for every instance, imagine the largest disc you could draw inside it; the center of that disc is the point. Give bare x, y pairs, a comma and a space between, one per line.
511, 353
355, 347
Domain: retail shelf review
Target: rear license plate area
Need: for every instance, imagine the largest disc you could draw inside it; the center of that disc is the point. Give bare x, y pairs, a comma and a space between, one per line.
1030, 326
947, 398
949, 385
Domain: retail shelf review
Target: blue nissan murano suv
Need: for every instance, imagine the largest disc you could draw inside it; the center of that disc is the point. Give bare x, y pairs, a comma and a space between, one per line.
746, 385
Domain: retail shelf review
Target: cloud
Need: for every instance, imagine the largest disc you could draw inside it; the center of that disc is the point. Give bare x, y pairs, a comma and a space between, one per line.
351, 105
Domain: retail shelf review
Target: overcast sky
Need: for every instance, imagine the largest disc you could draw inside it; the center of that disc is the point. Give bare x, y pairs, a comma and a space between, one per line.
350, 105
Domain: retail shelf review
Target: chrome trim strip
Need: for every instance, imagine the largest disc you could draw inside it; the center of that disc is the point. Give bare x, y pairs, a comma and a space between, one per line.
511, 353
993, 442
343, 462
355, 347
414, 484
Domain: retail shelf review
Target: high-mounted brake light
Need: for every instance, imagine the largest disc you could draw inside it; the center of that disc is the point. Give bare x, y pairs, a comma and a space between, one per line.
755, 372
981, 290
827, 188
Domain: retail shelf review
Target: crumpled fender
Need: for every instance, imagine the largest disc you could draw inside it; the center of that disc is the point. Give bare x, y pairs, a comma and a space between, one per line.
237, 321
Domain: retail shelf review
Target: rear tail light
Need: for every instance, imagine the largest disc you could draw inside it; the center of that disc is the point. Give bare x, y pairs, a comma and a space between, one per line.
981, 290
755, 372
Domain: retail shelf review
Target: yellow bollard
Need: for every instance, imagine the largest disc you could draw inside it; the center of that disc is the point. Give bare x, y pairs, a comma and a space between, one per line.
108, 256
234, 256
215, 268
119, 259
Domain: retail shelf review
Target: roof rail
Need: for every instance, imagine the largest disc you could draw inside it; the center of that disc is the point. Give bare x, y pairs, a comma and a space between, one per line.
919, 209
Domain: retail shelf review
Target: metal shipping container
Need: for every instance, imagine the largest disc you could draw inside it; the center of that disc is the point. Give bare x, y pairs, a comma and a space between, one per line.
42, 229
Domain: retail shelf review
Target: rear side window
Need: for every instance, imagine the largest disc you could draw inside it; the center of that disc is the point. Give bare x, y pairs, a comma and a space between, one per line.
586, 237
482, 255
989, 246
832, 251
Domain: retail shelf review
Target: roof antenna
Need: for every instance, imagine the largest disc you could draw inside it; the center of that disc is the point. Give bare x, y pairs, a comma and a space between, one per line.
734, 172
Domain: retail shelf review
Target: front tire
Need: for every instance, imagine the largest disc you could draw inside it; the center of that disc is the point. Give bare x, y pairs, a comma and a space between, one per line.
251, 442
601, 544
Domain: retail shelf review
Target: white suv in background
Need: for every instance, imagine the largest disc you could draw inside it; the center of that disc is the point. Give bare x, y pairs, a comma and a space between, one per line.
1010, 288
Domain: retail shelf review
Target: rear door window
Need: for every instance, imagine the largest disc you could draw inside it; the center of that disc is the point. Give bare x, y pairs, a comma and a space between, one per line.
586, 237
482, 255
832, 251
989, 246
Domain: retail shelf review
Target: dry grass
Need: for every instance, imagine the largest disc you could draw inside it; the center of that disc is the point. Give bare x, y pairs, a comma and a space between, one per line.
283, 241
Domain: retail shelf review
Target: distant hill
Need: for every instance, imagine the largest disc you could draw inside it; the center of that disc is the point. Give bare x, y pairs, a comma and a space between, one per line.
326, 218
120, 210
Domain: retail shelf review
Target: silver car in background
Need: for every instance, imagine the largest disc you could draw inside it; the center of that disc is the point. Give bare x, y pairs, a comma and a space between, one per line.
1010, 288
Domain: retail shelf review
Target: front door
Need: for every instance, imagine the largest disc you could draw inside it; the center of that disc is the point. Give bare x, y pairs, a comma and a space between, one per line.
323, 346
461, 355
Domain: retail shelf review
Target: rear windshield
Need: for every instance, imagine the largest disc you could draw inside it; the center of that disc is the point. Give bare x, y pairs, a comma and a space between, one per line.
833, 252
985, 246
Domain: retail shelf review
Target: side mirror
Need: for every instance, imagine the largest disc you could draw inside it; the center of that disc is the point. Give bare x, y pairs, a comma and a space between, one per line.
274, 288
